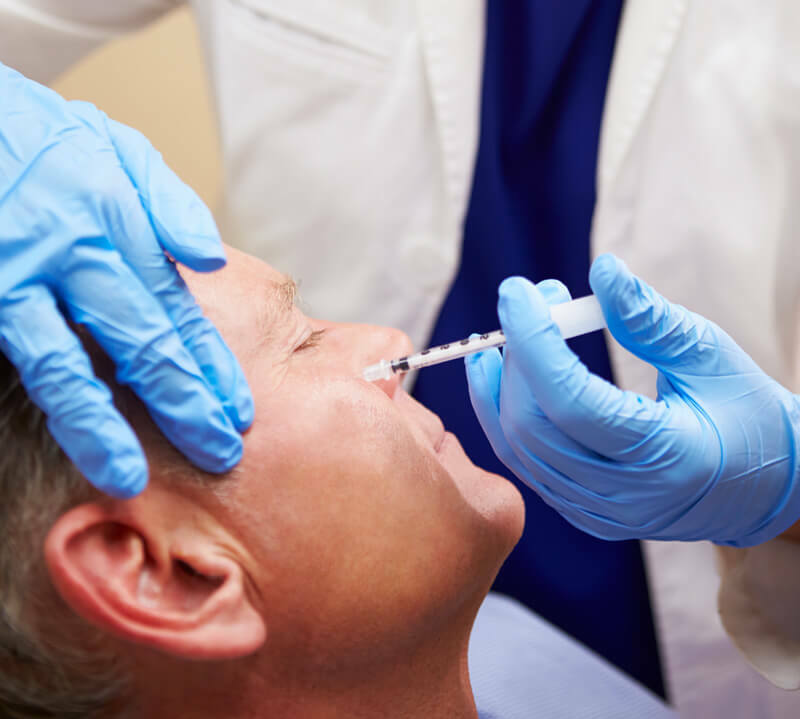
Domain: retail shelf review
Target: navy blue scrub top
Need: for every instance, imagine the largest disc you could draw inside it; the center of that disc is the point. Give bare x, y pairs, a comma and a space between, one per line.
545, 73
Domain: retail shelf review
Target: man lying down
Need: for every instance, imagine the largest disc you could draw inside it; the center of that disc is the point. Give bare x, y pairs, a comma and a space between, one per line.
337, 572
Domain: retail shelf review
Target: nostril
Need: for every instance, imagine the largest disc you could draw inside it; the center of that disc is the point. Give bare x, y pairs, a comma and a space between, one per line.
388, 386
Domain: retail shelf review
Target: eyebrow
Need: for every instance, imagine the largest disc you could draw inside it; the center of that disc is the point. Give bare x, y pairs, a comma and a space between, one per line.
276, 304
286, 293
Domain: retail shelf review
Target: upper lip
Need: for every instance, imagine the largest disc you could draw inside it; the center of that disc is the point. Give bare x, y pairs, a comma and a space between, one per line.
426, 420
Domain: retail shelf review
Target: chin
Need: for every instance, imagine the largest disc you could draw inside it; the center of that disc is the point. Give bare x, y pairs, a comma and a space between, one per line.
496, 500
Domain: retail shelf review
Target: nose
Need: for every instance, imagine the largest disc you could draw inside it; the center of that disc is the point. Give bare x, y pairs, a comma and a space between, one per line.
369, 344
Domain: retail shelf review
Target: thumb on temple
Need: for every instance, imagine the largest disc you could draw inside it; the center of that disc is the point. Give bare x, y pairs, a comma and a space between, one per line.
666, 335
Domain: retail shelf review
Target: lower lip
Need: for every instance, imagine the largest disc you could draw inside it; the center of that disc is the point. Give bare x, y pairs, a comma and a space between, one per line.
446, 439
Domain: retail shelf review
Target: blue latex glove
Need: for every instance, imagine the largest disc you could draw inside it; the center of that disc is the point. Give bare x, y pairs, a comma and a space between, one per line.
713, 457
87, 209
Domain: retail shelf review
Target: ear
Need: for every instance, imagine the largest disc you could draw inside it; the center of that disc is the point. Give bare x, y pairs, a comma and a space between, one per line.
132, 576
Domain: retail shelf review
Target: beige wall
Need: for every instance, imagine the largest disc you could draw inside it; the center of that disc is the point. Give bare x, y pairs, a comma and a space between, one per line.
155, 81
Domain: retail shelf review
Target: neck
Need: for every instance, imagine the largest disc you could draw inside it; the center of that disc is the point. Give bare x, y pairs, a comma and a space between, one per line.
431, 682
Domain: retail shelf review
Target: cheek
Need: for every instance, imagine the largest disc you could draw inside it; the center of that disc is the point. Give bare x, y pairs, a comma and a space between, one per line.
357, 530
338, 446
324, 453
344, 477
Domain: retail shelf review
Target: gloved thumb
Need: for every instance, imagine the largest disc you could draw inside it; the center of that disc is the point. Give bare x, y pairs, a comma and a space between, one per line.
666, 335
182, 222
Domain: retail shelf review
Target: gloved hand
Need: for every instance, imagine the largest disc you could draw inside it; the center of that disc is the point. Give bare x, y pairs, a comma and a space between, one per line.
87, 209
714, 457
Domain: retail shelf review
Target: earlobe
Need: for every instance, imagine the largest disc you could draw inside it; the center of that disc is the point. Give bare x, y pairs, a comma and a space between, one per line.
135, 579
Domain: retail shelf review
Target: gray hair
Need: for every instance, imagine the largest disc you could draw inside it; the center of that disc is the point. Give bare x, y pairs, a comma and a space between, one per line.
52, 664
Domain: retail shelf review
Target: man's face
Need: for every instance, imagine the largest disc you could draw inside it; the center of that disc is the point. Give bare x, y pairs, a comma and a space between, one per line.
357, 517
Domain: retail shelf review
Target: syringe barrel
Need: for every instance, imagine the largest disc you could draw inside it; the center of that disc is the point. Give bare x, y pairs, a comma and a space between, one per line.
573, 318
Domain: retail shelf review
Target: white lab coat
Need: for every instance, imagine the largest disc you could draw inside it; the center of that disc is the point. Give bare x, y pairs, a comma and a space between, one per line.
349, 131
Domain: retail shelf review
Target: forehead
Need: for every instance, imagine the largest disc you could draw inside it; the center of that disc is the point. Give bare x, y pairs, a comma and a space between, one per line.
243, 276
247, 294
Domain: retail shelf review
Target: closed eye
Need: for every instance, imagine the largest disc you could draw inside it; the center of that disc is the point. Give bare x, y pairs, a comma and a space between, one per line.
311, 341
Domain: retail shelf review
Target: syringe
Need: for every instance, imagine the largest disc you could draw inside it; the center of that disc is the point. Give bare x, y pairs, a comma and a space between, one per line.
573, 318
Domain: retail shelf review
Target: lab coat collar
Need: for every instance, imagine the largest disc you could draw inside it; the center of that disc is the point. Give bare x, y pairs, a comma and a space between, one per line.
453, 41
648, 31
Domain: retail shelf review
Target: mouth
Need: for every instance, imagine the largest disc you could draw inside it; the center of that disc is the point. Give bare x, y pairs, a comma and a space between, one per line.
442, 441
426, 421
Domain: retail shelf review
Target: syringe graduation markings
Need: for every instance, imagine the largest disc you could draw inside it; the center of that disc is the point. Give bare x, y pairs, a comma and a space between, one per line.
451, 350
572, 318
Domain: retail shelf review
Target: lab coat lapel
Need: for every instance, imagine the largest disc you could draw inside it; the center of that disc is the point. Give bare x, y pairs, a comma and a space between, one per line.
453, 38
645, 42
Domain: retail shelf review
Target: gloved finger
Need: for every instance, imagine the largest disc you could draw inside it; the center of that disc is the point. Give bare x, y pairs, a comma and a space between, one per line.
604, 518
534, 437
541, 477
591, 411
484, 375
597, 525
183, 224
58, 377
666, 335
484, 379
149, 354
630, 495
490, 362
567, 468
134, 238
521, 415
484, 371
486, 368
579, 505
554, 292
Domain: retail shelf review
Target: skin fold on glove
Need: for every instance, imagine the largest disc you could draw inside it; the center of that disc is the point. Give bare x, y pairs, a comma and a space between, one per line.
88, 211
713, 457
